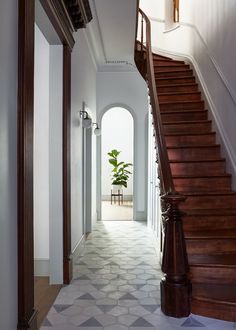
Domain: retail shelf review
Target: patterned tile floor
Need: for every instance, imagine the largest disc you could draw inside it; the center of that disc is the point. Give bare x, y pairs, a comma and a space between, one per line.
116, 286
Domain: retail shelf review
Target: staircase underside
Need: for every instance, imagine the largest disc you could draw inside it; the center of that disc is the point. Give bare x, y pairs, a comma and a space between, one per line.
199, 173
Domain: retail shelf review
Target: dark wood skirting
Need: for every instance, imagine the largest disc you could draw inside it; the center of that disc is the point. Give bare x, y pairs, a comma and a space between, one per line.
67, 255
26, 312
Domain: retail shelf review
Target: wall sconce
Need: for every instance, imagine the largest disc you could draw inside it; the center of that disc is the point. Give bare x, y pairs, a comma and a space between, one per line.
97, 130
87, 121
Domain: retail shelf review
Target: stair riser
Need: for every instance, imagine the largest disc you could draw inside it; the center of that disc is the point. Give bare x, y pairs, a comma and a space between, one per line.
205, 246
190, 140
202, 184
189, 154
214, 309
206, 223
188, 128
198, 168
213, 275
167, 63
183, 73
173, 81
209, 202
175, 89
184, 116
182, 106
196, 96
162, 68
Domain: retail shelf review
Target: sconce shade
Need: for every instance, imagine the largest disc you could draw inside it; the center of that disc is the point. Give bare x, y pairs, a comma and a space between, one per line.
97, 131
87, 122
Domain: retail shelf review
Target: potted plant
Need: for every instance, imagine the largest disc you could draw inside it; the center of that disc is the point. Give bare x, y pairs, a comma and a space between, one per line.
120, 172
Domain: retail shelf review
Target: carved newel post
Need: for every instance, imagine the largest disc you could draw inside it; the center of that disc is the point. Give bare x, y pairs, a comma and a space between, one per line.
175, 286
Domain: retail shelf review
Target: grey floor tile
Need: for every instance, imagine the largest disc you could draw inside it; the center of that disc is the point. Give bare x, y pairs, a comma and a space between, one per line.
116, 286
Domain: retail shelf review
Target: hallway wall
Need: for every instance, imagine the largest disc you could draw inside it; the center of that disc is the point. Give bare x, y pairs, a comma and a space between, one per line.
83, 90
41, 148
8, 164
128, 89
206, 36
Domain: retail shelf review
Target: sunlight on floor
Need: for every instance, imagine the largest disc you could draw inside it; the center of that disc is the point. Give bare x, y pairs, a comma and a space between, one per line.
116, 211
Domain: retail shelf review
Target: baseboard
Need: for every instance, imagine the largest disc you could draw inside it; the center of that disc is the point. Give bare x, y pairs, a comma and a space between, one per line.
41, 267
78, 250
140, 216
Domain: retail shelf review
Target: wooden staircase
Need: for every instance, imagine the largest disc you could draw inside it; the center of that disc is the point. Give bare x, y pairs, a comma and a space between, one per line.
199, 173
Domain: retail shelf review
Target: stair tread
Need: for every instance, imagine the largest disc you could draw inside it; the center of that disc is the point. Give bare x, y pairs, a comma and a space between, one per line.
177, 85
183, 70
210, 193
214, 212
181, 102
178, 93
161, 56
213, 260
195, 146
168, 78
187, 122
199, 176
166, 112
189, 134
211, 234
198, 161
217, 292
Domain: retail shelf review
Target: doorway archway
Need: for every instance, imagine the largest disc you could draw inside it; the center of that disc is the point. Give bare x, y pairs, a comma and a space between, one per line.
111, 116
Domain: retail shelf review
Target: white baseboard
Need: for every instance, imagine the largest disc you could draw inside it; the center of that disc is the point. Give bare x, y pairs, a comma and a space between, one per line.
78, 250
140, 216
41, 267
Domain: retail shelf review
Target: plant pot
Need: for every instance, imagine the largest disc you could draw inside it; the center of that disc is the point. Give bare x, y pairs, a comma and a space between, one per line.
117, 188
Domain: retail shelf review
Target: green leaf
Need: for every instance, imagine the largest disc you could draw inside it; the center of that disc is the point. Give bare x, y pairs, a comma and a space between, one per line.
113, 162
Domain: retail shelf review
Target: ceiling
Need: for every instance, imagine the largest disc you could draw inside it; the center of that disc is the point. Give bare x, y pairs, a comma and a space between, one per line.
113, 30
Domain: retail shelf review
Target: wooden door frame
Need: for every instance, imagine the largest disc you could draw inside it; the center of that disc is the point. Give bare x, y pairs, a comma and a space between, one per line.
62, 21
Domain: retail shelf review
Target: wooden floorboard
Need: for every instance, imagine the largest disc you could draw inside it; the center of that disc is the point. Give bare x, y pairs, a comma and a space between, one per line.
45, 295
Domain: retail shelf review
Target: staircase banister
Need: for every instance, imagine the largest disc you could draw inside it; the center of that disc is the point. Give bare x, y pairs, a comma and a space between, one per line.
175, 285
167, 181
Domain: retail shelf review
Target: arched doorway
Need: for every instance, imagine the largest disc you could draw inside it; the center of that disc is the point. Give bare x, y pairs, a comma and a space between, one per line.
117, 134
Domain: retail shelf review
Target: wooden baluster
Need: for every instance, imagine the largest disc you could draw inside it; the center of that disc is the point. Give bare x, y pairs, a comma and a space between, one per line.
142, 36
175, 286
176, 11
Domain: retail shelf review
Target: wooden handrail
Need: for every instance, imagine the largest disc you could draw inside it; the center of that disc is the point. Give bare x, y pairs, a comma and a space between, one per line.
165, 171
175, 285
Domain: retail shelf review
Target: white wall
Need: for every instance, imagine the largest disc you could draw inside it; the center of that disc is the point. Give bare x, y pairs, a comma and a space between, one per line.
117, 133
128, 90
55, 165
8, 164
41, 147
206, 36
83, 89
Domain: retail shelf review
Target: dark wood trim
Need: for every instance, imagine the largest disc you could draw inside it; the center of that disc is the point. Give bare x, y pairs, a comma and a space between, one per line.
26, 312
79, 11
67, 256
60, 20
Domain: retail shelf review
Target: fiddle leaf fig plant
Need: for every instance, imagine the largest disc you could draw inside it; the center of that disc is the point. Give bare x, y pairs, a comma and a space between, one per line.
120, 172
